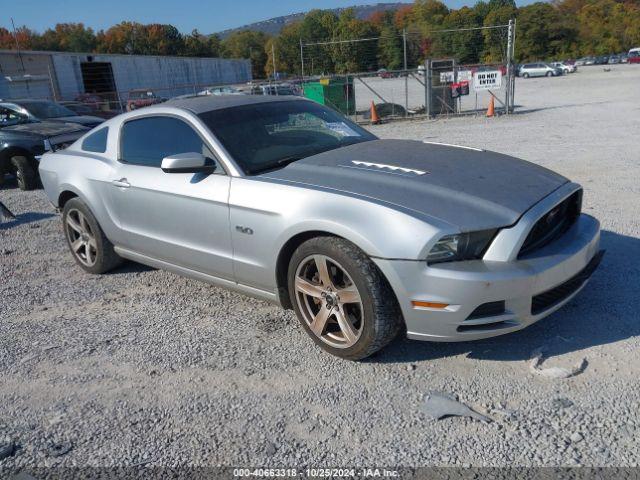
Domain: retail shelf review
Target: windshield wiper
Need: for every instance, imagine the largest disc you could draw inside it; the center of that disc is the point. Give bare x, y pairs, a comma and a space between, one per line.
284, 161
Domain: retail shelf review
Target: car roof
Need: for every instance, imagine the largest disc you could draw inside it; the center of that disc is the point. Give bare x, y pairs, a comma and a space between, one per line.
201, 104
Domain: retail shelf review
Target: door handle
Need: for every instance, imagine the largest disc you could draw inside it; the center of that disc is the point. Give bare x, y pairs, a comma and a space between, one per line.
122, 183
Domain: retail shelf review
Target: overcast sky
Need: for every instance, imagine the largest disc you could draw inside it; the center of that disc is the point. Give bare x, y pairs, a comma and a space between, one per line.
207, 16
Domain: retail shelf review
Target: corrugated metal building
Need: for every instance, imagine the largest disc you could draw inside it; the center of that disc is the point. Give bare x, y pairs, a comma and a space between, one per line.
64, 76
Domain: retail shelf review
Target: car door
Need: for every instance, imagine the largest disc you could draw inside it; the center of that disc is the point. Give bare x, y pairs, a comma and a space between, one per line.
180, 218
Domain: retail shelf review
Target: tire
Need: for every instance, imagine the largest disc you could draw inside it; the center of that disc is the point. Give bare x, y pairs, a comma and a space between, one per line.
525, 75
26, 176
549, 74
89, 246
368, 305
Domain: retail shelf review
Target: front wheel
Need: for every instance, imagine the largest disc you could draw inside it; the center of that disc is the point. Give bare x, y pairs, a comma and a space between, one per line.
525, 75
341, 298
549, 74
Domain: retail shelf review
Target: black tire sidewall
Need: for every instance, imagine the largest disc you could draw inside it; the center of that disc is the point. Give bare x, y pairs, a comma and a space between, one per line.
26, 177
77, 204
330, 247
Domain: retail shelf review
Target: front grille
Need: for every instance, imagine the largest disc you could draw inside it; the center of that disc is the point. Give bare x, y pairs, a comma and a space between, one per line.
551, 298
490, 309
553, 224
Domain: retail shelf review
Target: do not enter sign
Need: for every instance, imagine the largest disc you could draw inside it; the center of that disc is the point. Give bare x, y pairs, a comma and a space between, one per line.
488, 80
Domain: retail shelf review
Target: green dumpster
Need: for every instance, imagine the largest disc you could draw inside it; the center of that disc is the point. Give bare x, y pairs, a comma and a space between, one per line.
336, 93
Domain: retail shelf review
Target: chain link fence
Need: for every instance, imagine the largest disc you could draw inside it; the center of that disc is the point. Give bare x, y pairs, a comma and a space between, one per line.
418, 87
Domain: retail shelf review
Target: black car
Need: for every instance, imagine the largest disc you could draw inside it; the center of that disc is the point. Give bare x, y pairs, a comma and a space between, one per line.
23, 140
50, 111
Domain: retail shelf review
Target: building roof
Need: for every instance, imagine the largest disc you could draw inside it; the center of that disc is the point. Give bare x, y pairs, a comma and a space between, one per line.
206, 103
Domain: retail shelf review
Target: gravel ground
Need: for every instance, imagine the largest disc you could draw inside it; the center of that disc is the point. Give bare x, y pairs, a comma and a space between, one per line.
142, 366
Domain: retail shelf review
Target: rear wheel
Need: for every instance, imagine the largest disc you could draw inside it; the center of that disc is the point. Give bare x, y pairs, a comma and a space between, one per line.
26, 176
341, 298
90, 248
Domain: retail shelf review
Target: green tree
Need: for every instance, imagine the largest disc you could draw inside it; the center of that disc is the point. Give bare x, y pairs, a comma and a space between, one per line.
464, 45
349, 56
67, 37
247, 44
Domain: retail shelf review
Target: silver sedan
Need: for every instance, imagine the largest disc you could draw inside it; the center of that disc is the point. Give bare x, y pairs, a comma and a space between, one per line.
288, 201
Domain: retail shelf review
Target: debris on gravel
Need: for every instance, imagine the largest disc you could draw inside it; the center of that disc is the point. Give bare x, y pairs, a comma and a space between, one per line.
537, 358
7, 450
59, 449
440, 405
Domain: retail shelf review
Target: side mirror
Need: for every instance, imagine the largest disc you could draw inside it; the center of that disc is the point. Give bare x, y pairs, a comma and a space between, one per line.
191, 162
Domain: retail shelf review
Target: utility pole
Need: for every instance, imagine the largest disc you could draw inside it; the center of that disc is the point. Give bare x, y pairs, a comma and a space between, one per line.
406, 73
15, 37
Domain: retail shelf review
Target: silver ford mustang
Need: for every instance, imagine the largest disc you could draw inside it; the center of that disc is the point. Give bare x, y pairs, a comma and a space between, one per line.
288, 201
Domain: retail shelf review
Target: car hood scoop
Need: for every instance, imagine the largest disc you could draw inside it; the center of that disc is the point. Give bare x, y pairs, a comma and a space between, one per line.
467, 188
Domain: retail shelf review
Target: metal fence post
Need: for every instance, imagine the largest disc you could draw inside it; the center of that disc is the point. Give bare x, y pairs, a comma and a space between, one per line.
301, 59
513, 54
507, 99
406, 73
427, 87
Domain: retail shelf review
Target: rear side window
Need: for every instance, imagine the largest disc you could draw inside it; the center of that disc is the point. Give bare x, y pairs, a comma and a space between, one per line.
96, 142
147, 141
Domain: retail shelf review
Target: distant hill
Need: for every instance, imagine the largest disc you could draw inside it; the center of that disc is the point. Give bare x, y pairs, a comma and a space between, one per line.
274, 25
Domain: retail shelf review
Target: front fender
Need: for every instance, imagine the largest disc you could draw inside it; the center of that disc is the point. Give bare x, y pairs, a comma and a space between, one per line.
264, 216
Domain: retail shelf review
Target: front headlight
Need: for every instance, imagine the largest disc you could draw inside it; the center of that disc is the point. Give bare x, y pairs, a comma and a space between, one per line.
461, 246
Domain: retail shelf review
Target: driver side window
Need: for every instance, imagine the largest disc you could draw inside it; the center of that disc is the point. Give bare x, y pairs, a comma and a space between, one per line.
146, 141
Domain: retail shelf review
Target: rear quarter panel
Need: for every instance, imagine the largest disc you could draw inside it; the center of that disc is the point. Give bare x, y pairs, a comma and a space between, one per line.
87, 176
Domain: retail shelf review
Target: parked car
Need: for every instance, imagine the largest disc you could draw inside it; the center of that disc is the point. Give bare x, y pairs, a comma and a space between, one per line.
283, 89
538, 70
81, 108
585, 61
142, 97
613, 59
291, 202
50, 111
23, 140
566, 68
221, 90
634, 55
384, 73
601, 60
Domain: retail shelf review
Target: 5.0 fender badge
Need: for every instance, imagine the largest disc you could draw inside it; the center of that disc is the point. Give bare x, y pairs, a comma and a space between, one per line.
245, 230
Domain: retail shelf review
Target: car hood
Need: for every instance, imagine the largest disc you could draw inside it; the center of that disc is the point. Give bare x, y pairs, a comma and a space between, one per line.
467, 188
86, 120
44, 129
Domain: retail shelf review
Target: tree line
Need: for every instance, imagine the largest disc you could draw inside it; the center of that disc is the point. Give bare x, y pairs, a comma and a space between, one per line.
425, 29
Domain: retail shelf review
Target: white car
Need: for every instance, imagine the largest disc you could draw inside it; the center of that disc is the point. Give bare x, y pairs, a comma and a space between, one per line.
538, 70
565, 67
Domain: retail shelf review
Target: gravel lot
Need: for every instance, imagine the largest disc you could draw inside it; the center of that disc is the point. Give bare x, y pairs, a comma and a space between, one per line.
143, 367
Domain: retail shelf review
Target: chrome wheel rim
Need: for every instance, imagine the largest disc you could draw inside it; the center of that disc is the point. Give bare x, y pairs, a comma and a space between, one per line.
329, 301
82, 240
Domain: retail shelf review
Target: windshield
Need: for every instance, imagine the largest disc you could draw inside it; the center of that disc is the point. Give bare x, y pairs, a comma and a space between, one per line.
44, 110
264, 136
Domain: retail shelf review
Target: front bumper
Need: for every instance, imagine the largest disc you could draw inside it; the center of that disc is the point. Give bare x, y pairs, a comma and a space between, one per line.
464, 286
